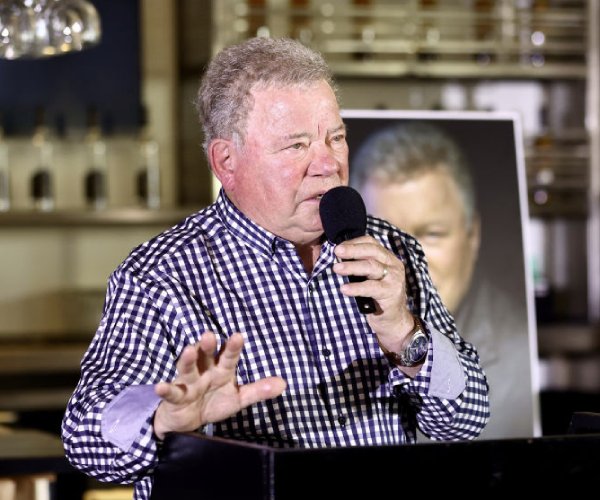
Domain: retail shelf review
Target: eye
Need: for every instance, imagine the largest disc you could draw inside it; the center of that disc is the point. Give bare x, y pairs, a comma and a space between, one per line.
431, 235
434, 234
296, 146
336, 139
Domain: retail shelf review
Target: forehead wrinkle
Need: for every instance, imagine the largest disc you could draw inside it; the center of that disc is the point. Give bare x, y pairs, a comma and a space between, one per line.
297, 135
333, 130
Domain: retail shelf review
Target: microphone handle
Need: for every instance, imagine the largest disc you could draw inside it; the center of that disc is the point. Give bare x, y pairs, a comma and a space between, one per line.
366, 305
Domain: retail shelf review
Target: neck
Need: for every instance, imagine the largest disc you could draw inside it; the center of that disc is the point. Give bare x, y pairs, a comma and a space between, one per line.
309, 255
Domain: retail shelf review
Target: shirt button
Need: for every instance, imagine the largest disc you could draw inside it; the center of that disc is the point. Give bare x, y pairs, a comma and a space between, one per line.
326, 352
342, 419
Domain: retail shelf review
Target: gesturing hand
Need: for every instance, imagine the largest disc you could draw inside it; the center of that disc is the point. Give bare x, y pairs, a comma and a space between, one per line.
206, 390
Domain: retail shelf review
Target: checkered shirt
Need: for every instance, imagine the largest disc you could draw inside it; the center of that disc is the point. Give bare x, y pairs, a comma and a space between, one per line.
219, 271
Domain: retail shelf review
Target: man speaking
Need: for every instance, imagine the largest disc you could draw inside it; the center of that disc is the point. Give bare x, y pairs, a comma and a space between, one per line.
241, 319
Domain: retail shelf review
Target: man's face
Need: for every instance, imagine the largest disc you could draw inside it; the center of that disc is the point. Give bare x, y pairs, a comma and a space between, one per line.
429, 207
294, 151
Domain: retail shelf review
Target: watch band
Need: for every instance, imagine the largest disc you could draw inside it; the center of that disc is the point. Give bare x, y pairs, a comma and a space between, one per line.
415, 350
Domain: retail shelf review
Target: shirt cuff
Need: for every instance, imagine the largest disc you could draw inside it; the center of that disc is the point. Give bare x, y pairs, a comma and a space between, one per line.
124, 417
447, 378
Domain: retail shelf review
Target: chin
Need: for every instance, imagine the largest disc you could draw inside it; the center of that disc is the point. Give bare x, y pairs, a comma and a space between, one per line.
313, 233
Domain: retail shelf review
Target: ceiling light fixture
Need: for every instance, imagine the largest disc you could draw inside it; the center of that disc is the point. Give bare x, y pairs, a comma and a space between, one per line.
42, 28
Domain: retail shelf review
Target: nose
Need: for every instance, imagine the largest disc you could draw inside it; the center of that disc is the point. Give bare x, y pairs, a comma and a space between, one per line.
324, 161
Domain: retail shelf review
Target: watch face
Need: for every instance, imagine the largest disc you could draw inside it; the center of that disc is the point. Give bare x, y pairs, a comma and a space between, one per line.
417, 349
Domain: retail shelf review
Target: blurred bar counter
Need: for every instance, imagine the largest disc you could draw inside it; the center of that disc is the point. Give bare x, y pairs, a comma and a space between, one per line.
33, 466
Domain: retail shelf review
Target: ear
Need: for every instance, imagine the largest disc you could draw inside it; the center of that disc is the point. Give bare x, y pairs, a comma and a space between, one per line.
222, 163
475, 234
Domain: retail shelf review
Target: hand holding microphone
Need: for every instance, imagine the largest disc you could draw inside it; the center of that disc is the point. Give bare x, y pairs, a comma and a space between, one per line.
366, 262
344, 217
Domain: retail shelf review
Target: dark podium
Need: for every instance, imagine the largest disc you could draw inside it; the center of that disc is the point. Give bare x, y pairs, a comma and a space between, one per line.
204, 468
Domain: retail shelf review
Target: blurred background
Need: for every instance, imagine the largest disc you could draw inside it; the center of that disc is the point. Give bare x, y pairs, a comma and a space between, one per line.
100, 150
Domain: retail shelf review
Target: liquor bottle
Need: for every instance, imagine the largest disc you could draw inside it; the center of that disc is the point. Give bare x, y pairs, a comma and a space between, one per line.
257, 18
95, 178
364, 29
300, 21
4, 173
42, 180
147, 176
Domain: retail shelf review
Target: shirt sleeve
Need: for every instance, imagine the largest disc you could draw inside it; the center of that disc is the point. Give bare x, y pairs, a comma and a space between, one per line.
449, 392
449, 395
127, 413
107, 428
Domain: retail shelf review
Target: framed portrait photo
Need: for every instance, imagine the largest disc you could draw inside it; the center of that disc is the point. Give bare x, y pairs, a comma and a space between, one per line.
456, 182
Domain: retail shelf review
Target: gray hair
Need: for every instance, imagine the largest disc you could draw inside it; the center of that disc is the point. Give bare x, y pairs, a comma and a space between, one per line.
408, 149
224, 98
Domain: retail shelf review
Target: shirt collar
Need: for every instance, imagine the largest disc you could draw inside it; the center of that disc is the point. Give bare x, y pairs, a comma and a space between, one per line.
243, 228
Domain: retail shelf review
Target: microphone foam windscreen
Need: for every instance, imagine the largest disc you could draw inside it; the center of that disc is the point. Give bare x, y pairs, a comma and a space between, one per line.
343, 214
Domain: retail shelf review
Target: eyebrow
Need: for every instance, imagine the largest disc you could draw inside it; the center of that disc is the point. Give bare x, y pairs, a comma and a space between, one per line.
301, 135
341, 127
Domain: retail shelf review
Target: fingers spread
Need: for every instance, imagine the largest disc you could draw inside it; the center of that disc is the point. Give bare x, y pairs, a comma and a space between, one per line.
186, 365
172, 393
207, 346
208, 342
261, 390
230, 355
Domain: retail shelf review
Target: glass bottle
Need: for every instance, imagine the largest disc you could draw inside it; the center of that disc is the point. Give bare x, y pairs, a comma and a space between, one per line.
4, 173
300, 21
147, 176
95, 178
42, 179
257, 18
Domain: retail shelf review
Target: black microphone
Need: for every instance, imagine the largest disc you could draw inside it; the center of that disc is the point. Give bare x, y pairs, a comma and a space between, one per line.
344, 217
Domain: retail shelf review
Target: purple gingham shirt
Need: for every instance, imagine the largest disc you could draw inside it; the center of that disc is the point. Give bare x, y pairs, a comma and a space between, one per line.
219, 271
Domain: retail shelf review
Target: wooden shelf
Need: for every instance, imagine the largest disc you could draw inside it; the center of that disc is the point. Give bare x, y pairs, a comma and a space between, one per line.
110, 217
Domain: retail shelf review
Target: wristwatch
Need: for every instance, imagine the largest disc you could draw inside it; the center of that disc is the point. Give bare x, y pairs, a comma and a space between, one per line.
416, 349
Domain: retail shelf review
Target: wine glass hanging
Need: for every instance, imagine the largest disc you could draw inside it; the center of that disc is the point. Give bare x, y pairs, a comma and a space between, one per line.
41, 28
